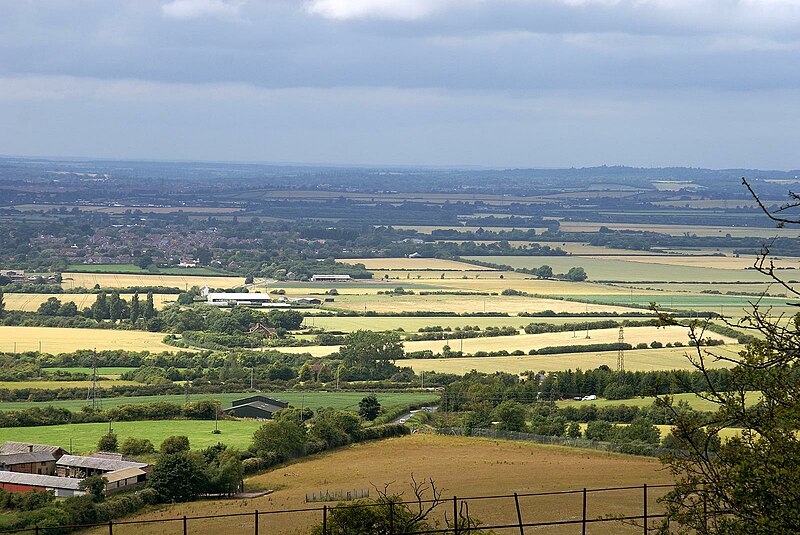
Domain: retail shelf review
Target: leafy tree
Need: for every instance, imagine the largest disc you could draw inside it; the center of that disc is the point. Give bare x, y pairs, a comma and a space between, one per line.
752, 476
511, 416
290, 320
599, 430
100, 309
574, 430
284, 437
116, 307
108, 442
179, 477
372, 352
136, 310
369, 408
144, 261
68, 309
174, 444
149, 311
544, 272
96, 487
576, 274
49, 307
136, 446
224, 471
185, 298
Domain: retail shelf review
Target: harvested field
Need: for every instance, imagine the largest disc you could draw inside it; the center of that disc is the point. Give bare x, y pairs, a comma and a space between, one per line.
123, 280
122, 209
31, 302
628, 270
459, 466
55, 385
412, 324
62, 340
635, 360
413, 264
464, 304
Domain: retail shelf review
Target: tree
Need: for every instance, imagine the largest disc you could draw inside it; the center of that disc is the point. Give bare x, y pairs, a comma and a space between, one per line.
136, 446
174, 444
185, 298
372, 351
144, 261
49, 307
108, 442
96, 486
284, 437
149, 308
100, 307
576, 274
224, 471
751, 476
179, 477
544, 272
574, 430
68, 309
511, 416
2, 305
136, 310
369, 408
116, 307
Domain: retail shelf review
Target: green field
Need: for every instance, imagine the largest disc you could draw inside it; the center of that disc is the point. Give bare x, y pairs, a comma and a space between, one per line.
723, 304
131, 268
694, 401
337, 400
84, 437
618, 270
105, 372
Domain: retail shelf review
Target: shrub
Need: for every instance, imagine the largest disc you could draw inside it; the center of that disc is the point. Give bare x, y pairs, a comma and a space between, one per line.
108, 442
174, 444
136, 446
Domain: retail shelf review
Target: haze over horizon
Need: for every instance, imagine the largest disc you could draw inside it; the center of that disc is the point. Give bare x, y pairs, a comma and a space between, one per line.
508, 83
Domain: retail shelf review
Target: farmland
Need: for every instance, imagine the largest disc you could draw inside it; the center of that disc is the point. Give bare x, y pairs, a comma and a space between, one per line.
459, 466
31, 302
84, 437
635, 360
338, 400
412, 264
412, 324
677, 230
116, 279
60, 340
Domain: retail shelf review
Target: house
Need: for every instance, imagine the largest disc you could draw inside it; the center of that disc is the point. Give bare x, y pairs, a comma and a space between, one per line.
10, 446
306, 301
62, 487
80, 467
224, 299
32, 462
330, 278
258, 407
261, 328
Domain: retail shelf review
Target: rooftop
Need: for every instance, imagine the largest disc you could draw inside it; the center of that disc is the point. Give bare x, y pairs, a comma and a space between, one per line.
10, 446
97, 463
8, 459
20, 478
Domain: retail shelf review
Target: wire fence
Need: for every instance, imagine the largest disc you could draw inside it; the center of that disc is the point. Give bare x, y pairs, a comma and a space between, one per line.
629, 509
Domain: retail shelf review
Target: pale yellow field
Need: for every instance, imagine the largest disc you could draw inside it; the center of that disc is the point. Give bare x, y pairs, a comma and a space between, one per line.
635, 360
463, 304
55, 385
526, 342
426, 229
122, 280
718, 262
31, 302
677, 230
459, 466
431, 276
412, 263
58, 340
534, 286
412, 324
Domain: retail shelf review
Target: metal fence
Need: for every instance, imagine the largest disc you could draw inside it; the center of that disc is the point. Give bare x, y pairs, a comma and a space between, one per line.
642, 518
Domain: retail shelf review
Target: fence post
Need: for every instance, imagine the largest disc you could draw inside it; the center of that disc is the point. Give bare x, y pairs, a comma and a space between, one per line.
325, 519
110, 527
705, 512
455, 515
36, 529
391, 516
519, 515
583, 521
644, 516
256, 524
184, 525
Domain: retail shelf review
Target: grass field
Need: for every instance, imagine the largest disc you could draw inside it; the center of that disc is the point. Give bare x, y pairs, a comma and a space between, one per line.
635, 360
122, 280
693, 400
31, 302
338, 400
55, 385
412, 264
620, 270
459, 466
106, 371
61, 340
84, 437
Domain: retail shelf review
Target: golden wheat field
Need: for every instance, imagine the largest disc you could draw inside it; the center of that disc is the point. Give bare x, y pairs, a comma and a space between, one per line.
58, 340
459, 466
677, 230
31, 302
635, 360
123, 280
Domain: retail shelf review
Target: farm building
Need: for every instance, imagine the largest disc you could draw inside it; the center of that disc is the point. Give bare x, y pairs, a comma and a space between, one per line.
32, 462
124, 479
330, 278
20, 482
257, 407
243, 299
10, 446
78, 466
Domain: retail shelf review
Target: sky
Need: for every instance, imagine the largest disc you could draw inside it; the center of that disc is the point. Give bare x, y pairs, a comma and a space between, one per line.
496, 83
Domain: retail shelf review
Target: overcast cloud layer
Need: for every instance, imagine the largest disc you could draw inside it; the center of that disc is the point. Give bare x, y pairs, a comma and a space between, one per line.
711, 83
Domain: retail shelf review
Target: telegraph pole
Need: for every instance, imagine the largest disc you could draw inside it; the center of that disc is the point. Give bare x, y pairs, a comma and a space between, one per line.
621, 353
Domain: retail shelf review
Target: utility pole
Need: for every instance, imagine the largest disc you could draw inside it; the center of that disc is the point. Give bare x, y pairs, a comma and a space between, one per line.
252, 378
186, 398
621, 354
423, 378
92, 394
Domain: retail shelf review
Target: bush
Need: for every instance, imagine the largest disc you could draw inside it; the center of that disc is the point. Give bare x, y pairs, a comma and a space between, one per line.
108, 442
137, 446
174, 444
